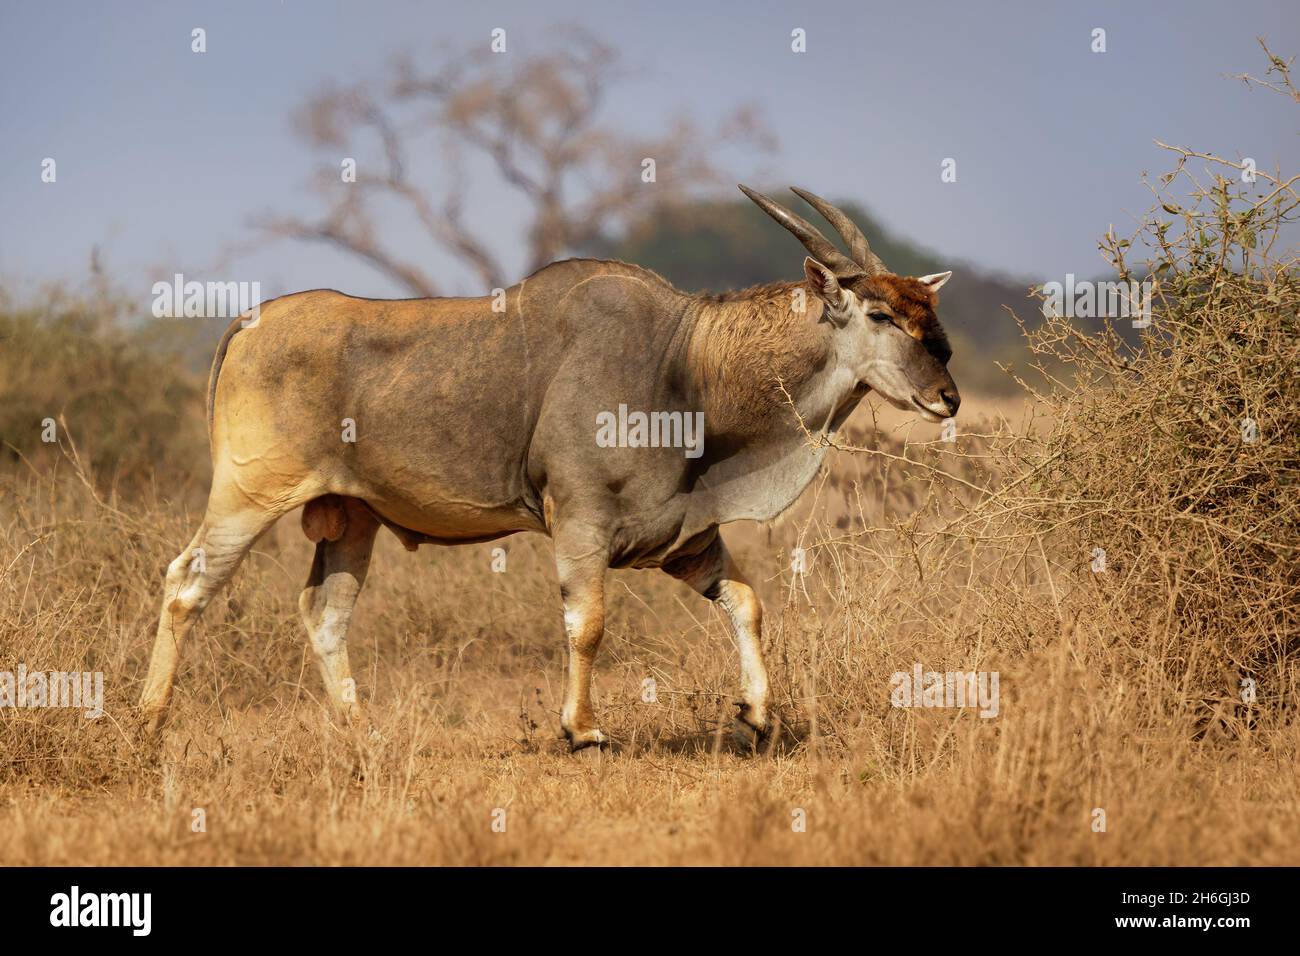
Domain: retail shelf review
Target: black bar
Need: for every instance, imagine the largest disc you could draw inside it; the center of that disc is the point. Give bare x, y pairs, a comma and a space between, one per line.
949, 905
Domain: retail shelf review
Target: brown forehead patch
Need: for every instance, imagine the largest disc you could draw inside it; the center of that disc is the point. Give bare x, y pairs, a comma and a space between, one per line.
914, 303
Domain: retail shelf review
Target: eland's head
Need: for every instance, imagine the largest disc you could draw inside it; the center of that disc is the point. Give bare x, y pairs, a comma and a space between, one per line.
887, 330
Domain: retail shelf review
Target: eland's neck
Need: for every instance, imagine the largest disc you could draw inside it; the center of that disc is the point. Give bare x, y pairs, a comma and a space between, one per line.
755, 361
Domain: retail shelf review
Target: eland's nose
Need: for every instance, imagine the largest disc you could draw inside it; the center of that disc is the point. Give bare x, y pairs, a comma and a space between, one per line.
951, 399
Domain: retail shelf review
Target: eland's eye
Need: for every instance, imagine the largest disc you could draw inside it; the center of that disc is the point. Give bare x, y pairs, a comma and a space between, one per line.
879, 317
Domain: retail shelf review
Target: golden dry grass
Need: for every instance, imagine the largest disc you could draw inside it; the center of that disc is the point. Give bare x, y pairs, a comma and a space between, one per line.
460, 667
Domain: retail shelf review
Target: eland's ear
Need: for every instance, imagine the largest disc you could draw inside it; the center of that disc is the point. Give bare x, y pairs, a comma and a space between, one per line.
935, 282
827, 288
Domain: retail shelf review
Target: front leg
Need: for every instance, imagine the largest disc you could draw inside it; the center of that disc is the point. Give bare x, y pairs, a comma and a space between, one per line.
714, 574
581, 566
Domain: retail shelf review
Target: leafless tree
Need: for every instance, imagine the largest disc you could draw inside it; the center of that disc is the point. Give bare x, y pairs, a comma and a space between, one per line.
536, 117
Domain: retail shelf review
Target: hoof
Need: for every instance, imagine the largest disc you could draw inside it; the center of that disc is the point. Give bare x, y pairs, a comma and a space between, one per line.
148, 737
584, 739
149, 723
749, 734
350, 717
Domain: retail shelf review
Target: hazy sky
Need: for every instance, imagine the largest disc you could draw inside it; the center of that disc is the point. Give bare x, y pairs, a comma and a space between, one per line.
164, 156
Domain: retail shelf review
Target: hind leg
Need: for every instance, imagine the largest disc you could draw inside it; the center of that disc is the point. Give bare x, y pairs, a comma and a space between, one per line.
581, 558
337, 573
197, 574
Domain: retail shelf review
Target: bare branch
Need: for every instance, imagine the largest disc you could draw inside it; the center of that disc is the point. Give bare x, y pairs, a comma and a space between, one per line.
538, 124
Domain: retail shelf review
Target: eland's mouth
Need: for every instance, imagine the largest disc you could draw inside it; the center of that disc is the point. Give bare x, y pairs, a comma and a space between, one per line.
928, 411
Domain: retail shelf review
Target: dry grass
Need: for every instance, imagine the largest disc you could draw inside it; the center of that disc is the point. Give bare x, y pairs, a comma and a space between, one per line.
1121, 690
461, 668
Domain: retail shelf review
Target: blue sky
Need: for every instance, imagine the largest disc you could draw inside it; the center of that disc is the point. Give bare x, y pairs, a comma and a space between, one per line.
165, 156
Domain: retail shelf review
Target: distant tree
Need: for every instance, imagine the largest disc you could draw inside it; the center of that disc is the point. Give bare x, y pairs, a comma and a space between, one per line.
536, 117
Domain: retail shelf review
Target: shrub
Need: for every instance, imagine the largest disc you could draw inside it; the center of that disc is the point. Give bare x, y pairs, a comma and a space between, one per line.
130, 408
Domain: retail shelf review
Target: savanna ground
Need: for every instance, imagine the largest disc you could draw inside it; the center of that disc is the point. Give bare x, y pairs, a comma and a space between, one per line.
1159, 690
461, 669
